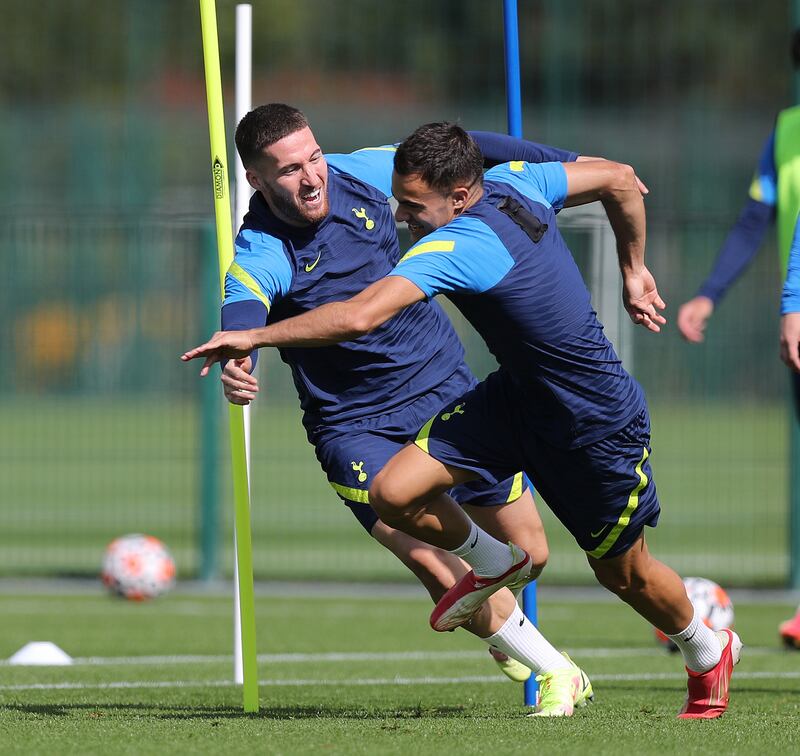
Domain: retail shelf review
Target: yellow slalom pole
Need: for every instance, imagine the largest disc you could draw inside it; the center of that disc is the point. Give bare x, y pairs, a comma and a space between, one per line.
241, 493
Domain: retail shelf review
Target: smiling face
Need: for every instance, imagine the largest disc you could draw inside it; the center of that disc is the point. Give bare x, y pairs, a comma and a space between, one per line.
424, 209
292, 175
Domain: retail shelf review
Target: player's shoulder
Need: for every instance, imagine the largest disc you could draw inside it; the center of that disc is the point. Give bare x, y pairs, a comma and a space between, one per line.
370, 165
514, 169
545, 183
255, 243
461, 235
349, 162
259, 250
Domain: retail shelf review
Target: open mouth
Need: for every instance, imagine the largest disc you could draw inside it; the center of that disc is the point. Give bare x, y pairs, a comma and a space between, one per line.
313, 198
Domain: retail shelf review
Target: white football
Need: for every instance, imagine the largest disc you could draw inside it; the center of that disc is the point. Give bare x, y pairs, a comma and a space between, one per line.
712, 604
138, 567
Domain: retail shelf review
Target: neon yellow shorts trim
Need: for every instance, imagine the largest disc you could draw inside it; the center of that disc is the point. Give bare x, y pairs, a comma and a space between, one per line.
351, 494
625, 517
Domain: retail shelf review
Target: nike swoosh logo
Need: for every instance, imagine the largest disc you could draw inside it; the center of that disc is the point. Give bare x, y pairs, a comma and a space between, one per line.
313, 265
472, 545
595, 535
522, 622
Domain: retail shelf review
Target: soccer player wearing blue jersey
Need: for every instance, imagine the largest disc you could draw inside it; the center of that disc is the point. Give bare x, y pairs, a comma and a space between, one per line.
774, 197
561, 406
320, 229
790, 354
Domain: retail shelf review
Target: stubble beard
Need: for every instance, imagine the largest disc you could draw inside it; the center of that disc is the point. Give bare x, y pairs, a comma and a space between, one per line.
288, 209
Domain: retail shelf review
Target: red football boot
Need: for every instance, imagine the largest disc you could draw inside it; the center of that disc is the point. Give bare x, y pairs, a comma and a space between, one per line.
790, 631
468, 594
707, 695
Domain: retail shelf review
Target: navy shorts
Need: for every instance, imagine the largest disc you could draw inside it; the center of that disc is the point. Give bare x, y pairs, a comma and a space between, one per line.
603, 493
352, 460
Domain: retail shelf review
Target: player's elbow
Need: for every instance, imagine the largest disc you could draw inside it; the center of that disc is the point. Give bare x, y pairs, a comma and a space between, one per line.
348, 321
361, 322
364, 318
623, 178
618, 183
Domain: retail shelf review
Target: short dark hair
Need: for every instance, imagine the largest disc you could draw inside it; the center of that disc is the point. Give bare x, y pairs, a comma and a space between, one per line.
442, 154
264, 126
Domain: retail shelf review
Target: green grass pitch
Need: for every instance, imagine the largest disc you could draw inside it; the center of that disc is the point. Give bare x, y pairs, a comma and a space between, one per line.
364, 675
115, 466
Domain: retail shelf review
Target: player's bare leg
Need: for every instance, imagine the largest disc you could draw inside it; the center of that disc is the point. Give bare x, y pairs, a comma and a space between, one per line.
657, 593
516, 521
438, 571
408, 494
419, 506
652, 588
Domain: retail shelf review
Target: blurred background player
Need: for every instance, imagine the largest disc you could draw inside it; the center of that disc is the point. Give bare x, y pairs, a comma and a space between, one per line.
320, 229
774, 198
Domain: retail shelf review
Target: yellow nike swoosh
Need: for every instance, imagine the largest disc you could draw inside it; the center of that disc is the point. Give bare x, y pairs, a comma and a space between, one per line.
313, 265
594, 535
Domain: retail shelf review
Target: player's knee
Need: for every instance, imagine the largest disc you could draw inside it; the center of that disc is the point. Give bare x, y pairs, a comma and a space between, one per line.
536, 545
388, 497
539, 559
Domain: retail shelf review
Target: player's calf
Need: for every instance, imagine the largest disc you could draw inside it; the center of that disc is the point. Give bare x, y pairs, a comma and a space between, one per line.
436, 569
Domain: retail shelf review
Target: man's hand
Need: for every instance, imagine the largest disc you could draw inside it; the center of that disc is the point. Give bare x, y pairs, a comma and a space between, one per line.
238, 385
790, 340
693, 317
223, 345
641, 299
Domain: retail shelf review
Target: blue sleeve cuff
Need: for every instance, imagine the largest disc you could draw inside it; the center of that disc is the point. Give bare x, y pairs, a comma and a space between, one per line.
242, 316
790, 301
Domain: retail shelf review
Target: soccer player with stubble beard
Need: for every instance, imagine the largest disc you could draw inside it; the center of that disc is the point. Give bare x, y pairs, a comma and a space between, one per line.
320, 229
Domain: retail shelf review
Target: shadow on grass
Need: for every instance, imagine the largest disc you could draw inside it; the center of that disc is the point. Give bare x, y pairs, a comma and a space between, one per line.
102, 710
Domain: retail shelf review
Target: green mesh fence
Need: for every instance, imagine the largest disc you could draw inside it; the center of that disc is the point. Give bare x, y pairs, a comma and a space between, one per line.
104, 148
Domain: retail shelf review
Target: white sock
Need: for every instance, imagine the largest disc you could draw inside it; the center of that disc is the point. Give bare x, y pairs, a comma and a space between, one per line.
487, 556
699, 645
520, 640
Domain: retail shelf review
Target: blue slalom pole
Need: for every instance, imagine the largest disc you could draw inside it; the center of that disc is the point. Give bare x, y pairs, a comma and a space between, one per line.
514, 111
513, 86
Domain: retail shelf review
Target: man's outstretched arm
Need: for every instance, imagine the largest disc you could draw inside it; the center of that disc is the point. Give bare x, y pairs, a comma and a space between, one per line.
615, 185
325, 325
